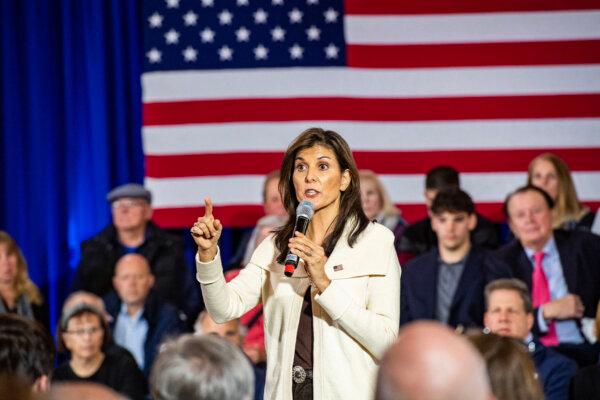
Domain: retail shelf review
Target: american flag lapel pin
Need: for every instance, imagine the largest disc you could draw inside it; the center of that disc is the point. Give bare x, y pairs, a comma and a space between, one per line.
338, 267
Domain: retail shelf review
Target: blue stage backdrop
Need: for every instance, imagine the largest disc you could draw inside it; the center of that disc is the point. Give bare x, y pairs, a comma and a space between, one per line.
70, 126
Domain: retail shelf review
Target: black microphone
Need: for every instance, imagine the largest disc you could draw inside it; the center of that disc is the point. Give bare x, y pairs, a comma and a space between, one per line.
304, 212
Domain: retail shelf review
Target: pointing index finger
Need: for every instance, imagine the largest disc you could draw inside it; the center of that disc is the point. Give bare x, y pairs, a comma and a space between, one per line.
209, 207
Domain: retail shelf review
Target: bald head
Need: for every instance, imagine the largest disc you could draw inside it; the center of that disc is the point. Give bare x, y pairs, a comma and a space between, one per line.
133, 279
430, 362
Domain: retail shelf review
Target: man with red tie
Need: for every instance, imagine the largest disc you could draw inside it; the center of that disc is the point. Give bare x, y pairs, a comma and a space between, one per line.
561, 269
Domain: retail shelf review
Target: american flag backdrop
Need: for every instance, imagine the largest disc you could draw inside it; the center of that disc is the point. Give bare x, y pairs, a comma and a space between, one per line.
483, 86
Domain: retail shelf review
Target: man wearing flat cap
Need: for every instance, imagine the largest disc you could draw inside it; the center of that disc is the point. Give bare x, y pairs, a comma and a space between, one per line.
131, 231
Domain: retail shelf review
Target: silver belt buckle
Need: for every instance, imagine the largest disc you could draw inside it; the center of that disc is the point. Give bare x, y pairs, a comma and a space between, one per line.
298, 374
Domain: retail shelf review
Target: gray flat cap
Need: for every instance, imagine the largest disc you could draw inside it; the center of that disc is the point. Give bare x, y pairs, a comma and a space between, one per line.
133, 190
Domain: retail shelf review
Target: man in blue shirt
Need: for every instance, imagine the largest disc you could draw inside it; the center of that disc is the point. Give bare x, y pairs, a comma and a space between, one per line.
140, 320
510, 313
570, 264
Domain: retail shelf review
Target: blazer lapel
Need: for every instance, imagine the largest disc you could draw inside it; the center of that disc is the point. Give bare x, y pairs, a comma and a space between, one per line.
568, 260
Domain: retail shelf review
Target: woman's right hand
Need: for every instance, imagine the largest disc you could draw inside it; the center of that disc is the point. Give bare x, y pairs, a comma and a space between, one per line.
206, 233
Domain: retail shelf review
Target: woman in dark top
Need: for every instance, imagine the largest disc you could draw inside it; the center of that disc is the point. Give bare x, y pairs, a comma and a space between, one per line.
18, 294
83, 332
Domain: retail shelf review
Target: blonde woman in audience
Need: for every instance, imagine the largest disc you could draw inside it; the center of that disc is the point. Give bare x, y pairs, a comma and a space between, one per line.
18, 294
378, 207
552, 174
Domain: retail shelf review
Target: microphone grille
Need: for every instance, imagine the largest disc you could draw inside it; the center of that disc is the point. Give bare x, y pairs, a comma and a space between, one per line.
305, 209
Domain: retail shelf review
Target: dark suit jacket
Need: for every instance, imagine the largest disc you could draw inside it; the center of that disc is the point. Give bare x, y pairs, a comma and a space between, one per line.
580, 258
419, 287
163, 321
554, 369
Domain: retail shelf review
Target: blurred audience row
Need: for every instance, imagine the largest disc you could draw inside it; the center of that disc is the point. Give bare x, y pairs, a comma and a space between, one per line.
133, 290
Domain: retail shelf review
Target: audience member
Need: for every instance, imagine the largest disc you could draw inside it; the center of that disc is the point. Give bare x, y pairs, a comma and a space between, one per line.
83, 391
26, 352
561, 270
430, 362
378, 206
510, 313
140, 321
447, 282
132, 231
83, 297
273, 207
84, 332
18, 293
201, 368
552, 174
419, 237
512, 373
231, 331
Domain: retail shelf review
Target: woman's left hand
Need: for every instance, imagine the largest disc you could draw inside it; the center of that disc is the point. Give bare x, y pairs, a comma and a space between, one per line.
314, 259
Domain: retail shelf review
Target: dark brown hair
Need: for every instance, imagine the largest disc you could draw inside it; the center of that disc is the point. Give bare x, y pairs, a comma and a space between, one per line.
350, 206
442, 178
525, 189
76, 312
452, 201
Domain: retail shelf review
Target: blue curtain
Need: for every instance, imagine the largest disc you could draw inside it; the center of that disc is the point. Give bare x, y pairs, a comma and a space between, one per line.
69, 126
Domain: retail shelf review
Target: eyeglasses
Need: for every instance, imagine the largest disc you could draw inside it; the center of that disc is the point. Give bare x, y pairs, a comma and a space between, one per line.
126, 203
82, 332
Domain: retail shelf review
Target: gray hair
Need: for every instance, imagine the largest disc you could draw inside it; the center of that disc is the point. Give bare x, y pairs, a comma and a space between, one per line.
201, 368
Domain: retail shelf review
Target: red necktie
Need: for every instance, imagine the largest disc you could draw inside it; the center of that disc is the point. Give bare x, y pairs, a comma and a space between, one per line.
540, 294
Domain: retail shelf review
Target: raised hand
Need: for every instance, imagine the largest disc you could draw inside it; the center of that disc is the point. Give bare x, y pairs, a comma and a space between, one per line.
206, 232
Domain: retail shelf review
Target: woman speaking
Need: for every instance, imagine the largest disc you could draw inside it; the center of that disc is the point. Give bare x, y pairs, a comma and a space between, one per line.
327, 325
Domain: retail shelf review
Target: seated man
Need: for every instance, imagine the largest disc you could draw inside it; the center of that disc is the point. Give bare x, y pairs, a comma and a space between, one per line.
446, 283
132, 231
509, 312
232, 332
273, 207
561, 270
419, 237
140, 321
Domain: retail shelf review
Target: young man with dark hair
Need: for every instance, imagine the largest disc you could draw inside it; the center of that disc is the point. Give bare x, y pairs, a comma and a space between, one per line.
446, 283
561, 270
420, 237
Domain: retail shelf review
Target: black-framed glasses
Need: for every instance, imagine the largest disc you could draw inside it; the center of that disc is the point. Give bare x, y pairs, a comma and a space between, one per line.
83, 331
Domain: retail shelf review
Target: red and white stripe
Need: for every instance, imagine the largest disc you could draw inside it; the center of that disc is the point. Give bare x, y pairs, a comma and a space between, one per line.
482, 87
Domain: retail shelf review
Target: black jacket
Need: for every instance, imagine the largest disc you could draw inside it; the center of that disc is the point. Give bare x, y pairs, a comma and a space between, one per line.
174, 281
418, 290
